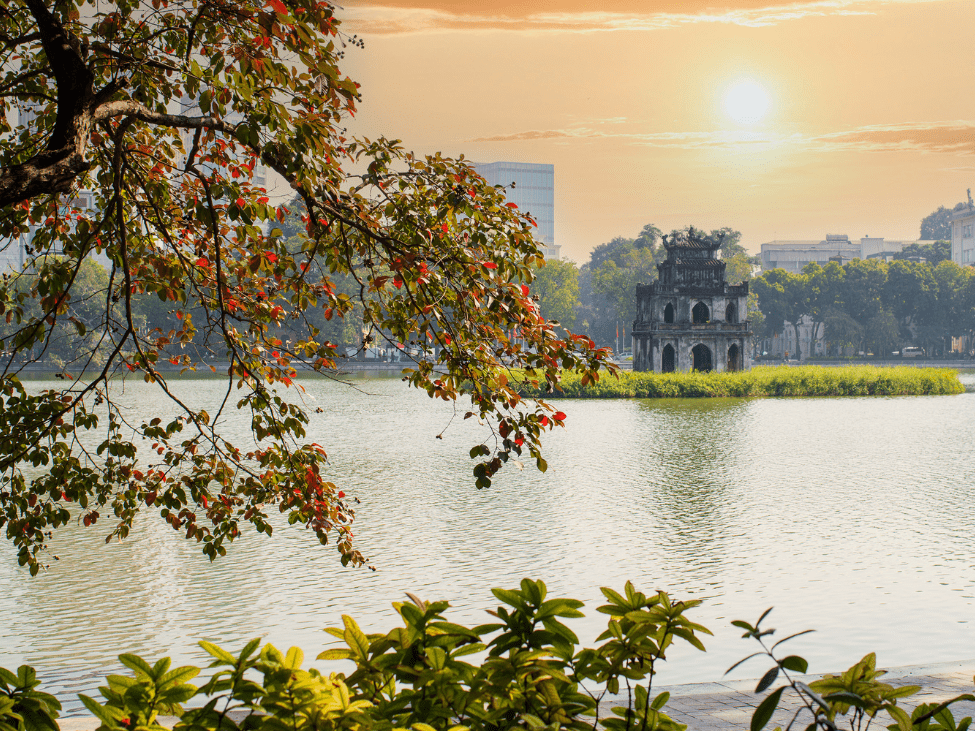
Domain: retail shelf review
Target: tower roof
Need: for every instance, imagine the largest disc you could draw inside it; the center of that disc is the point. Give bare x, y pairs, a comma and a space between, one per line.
693, 240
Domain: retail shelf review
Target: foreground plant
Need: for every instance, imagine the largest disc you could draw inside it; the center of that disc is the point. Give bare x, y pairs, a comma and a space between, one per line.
172, 113
852, 699
523, 670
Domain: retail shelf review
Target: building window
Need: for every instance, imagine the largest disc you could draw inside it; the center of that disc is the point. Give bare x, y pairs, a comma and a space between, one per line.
966, 231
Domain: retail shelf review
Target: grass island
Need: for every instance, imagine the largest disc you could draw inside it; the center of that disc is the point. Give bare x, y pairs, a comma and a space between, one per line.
765, 381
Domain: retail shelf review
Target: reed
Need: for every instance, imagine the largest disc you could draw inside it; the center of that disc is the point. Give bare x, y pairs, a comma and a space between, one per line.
765, 381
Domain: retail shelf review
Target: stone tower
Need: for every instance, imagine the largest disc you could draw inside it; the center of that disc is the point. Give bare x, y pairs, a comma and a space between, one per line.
690, 318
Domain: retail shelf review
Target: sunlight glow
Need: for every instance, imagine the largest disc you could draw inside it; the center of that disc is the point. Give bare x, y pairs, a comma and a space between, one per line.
746, 101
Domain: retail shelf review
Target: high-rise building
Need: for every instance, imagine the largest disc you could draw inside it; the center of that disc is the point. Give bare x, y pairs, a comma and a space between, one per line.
531, 187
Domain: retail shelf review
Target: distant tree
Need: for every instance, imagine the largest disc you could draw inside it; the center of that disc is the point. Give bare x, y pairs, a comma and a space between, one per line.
934, 253
614, 250
910, 294
731, 242
882, 333
607, 282
824, 287
617, 283
756, 317
863, 288
842, 330
739, 268
936, 225
295, 221
648, 238
556, 288
783, 298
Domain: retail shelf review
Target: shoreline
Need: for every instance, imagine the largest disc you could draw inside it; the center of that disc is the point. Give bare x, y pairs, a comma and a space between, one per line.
728, 704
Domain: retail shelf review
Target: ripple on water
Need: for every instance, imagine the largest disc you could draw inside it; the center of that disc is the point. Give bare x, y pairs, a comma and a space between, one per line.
849, 515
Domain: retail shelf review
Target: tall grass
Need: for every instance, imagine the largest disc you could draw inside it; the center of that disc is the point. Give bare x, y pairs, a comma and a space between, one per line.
764, 381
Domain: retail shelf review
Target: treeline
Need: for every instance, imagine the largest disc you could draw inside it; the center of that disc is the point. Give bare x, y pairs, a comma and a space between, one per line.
871, 305
78, 332
599, 298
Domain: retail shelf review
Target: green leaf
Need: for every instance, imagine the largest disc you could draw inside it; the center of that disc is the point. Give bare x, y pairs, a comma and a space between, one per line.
136, 663
336, 654
797, 634
763, 714
767, 679
104, 714
214, 651
794, 663
900, 716
178, 676
745, 659
295, 657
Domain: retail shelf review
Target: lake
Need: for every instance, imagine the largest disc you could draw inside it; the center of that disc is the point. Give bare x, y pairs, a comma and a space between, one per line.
851, 516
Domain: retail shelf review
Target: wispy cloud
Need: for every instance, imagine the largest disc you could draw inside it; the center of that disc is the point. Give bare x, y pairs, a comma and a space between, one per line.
938, 137
418, 16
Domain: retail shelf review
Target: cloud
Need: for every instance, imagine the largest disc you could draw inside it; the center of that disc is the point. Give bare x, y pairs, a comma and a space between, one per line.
945, 137
956, 138
417, 16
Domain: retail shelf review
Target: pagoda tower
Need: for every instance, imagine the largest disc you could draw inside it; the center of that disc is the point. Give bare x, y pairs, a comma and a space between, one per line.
691, 318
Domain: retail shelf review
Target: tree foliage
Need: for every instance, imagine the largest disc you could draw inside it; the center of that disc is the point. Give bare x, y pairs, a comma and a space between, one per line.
869, 304
167, 110
556, 290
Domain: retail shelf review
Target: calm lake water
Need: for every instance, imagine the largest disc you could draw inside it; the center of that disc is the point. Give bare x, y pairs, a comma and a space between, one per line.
850, 516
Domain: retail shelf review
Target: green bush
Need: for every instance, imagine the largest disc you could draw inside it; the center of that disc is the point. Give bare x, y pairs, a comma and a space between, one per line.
762, 381
522, 670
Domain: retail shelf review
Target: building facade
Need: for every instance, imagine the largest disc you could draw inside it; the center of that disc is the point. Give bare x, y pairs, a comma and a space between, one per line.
691, 318
794, 255
963, 234
531, 187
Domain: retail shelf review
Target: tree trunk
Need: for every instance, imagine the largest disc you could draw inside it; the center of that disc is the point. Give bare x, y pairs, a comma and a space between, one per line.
795, 328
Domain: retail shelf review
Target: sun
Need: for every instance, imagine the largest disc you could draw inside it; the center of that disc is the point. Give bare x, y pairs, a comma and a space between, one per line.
746, 101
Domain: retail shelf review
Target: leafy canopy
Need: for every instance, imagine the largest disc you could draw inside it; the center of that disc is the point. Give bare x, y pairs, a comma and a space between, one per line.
171, 111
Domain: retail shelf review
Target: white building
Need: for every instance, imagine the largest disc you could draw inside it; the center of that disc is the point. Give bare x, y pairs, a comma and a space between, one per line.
531, 187
963, 235
13, 252
794, 255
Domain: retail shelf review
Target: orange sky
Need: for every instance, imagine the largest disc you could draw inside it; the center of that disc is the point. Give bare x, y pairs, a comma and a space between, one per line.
871, 123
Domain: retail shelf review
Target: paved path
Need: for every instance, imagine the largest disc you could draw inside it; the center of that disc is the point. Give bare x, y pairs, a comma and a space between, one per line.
728, 705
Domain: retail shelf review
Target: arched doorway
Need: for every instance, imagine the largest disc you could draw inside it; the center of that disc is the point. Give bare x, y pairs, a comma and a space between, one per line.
669, 312
668, 360
731, 313
734, 358
700, 314
702, 358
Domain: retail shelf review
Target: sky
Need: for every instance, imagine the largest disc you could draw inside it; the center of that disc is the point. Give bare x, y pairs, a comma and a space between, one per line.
782, 120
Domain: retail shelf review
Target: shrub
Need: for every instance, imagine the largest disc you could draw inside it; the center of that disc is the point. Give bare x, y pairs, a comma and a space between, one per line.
423, 676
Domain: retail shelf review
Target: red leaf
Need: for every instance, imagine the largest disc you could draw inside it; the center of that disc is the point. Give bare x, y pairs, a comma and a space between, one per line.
489, 265
511, 205
240, 202
272, 258
543, 421
203, 262
524, 290
560, 416
341, 494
